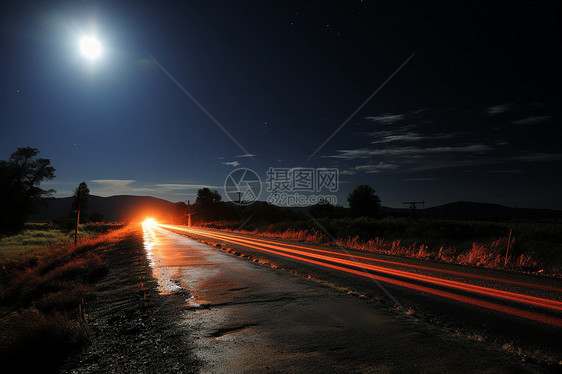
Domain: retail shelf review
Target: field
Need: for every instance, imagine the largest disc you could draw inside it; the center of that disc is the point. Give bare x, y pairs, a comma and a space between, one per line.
45, 282
41, 237
48, 286
526, 246
90, 308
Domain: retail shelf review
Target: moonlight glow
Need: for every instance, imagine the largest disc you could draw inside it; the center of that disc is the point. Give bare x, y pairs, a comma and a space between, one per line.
90, 47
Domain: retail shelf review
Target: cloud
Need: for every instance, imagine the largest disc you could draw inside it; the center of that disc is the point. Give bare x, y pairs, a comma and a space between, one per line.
391, 118
247, 155
180, 186
387, 118
112, 187
397, 137
533, 120
232, 163
375, 168
404, 134
347, 172
408, 151
369, 168
120, 182
499, 109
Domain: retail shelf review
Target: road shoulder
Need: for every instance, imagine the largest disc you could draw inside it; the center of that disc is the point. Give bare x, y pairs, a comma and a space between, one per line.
300, 325
133, 329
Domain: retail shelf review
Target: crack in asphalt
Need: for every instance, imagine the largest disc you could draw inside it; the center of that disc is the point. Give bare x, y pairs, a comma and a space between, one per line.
209, 305
227, 330
238, 289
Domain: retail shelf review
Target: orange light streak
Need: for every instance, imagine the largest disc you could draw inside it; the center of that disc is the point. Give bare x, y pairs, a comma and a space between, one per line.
452, 272
545, 303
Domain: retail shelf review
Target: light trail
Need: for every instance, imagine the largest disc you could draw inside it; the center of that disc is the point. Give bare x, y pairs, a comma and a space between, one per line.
545, 303
313, 258
420, 267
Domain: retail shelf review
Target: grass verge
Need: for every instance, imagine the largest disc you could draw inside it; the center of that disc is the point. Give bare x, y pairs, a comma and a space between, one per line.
524, 246
37, 238
42, 315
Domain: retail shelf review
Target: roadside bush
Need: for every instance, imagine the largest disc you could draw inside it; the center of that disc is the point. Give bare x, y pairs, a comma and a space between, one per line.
63, 301
32, 341
42, 303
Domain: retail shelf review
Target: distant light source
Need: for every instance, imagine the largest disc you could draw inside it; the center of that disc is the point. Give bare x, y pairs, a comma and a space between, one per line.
149, 222
90, 47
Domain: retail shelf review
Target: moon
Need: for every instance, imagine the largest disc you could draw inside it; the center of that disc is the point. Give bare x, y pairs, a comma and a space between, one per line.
90, 47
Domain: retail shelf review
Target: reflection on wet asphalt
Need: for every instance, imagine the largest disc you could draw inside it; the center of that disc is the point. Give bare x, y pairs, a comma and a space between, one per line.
244, 317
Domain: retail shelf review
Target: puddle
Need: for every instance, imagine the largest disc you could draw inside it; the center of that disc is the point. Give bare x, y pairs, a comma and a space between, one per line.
175, 261
165, 276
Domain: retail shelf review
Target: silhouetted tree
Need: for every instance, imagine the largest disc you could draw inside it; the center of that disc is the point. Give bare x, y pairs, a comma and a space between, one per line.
206, 197
80, 199
207, 204
20, 194
363, 201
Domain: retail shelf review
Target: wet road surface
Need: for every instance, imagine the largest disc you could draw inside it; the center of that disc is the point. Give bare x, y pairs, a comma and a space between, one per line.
244, 317
515, 310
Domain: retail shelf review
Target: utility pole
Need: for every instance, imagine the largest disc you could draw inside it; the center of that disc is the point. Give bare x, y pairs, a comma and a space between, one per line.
189, 214
413, 205
507, 250
239, 202
77, 220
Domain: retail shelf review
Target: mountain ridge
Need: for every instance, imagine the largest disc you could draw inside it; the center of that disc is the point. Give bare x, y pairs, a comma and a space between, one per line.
131, 207
113, 208
483, 211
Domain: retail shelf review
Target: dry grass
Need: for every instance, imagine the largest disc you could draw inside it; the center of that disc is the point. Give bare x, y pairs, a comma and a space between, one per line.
42, 302
535, 245
312, 236
491, 255
31, 240
34, 341
43, 238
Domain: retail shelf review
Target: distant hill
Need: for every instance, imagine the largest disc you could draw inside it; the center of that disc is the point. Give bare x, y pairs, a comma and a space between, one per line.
484, 211
113, 208
126, 207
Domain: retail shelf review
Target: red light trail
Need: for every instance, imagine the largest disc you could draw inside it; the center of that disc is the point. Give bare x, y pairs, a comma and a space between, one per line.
333, 260
420, 267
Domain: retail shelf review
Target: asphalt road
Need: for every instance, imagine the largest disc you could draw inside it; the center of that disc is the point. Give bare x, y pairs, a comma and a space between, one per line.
246, 317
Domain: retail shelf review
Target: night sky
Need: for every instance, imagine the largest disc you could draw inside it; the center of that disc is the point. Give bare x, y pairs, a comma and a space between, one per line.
185, 92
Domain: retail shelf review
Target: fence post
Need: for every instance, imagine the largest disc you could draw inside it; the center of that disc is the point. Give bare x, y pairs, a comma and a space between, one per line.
507, 250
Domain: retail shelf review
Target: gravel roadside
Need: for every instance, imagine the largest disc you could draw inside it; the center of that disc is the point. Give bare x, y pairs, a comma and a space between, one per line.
133, 328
